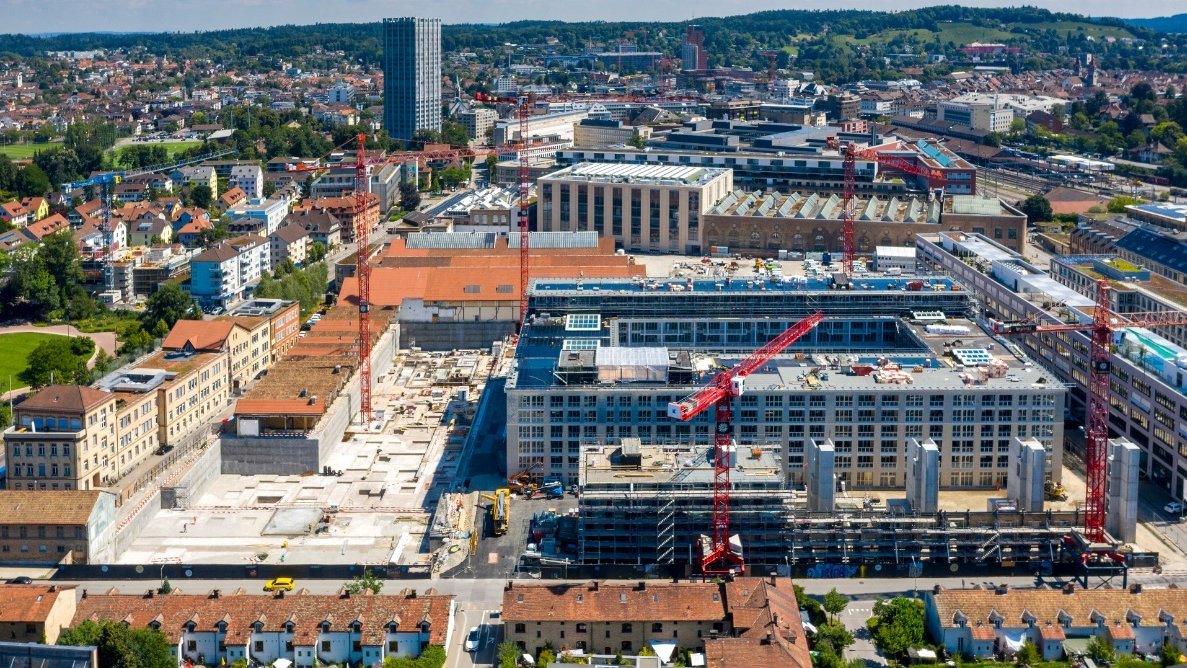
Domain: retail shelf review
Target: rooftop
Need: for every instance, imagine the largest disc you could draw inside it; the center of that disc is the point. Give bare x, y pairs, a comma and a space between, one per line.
896, 209
260, 307
1149, 607
46, 507
64, 398
644, 466
30, 603
611, 602
638, 174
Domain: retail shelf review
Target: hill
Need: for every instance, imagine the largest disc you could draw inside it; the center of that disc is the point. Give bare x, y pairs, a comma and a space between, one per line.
1167, 24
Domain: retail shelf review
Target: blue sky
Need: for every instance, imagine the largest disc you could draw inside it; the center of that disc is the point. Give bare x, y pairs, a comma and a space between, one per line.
167, 15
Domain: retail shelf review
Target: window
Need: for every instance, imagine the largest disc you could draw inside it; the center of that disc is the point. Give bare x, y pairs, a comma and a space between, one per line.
626, 628
325, 645
657, 628
191, 646
521, 628
393, 646
581, 627
259, 646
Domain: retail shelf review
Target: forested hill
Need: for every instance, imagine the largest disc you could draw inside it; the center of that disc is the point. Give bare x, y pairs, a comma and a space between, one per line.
819, 39
1169, 24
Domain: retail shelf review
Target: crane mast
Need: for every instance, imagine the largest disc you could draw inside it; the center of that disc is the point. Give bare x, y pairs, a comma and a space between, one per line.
717, 557
1100, 332
362, 235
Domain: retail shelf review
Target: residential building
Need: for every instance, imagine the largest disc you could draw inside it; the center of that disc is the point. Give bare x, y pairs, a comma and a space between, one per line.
49, 527
284, 318
492, 209
249, 179
198, 175
35, 613
1148, 399
14, 213
623, 366
191, 388
642, 207
150, 230
63, 438
289, 242
246, 341
46, 226
726, 620
591, 132
412, 76
269, 211
345, 210
340, 93
38, 207
39, 654
233, 197
320, 226
479, 121
226, 271
306, 630
812, 222
981, 623
384, 183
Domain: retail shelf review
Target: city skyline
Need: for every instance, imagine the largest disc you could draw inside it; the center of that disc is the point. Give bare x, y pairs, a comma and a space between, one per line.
34, 17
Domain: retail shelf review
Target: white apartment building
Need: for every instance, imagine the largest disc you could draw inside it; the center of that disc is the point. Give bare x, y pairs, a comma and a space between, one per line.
270, 211
644, 207
555, 125
249, 179
478, 121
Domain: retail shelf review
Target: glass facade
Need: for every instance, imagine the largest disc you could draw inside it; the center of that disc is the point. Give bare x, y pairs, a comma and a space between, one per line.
411, 76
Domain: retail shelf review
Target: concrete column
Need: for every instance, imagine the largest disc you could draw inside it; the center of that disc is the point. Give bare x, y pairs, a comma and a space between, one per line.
1028, 474
820, 477
1121, 518
923, 476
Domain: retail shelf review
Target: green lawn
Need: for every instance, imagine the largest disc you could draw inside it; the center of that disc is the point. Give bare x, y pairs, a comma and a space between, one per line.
26, 151
173, 147
16, 349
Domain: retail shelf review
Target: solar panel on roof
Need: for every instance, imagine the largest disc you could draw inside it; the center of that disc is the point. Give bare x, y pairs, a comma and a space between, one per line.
572, 345
583, 322
971, 356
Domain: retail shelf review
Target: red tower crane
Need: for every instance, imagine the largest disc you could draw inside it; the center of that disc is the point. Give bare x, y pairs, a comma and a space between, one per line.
717, 557
1100, 331
850, 154
362, 236
770, 56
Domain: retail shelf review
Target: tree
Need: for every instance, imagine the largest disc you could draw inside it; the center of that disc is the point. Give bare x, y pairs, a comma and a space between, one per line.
409, 196
492, 162
897, 624
169, 304
135, 339
1028, 655
201, 196
1168, 655
507, 655
31, 181
546, 656
121, 645
364, 582
1100, 650
835, 634
58, 360
1118, 203
637, 141
835, 602
1037, 209
317, 252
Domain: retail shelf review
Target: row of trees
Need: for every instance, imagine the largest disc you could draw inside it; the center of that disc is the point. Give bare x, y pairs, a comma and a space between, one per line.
307, 286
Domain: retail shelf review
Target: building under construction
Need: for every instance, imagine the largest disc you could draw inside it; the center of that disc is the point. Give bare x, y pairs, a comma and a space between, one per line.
643, 508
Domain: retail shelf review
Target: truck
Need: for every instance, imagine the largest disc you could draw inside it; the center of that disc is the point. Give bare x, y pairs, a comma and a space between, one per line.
500, 510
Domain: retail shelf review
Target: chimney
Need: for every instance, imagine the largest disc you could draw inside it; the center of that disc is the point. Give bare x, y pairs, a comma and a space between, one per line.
595, 585
53, 588
280, 593
937, 589
84, 593
149, 594
214, 593
1069, 588
345, 593
642, 585
1003, 589
1135, 588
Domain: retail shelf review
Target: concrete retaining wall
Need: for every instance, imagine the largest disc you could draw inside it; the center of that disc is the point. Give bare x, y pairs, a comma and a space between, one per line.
294, 456
196, 481
453, 335
124, 539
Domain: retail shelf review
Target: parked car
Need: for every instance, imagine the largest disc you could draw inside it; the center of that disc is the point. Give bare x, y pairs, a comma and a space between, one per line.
20, 580
1174, 508
280, 584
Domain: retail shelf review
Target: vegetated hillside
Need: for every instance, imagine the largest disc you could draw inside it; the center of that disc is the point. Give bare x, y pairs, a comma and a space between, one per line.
837, 44
1168, 24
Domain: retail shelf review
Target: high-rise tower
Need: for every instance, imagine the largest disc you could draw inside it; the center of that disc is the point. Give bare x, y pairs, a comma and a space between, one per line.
411, 76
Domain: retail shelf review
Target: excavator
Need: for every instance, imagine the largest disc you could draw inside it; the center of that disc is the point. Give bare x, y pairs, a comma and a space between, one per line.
1054, 491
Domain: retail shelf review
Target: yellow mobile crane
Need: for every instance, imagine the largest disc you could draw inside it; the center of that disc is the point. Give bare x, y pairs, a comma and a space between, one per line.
500, 509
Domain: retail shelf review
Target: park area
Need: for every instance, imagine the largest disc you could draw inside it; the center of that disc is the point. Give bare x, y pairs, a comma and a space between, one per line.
14, 354
26, 151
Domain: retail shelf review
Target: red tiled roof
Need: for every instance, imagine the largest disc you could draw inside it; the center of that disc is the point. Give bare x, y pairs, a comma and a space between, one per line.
65, 398
305, 611
29, 604
607, 602
200, 334
47, 226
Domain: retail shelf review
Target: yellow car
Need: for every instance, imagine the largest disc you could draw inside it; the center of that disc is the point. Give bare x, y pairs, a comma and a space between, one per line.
279, 584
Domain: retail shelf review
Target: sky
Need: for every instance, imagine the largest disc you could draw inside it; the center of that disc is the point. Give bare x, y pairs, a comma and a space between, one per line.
39, 16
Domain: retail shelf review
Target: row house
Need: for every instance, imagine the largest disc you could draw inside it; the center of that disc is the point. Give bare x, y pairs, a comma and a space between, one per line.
305, 629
